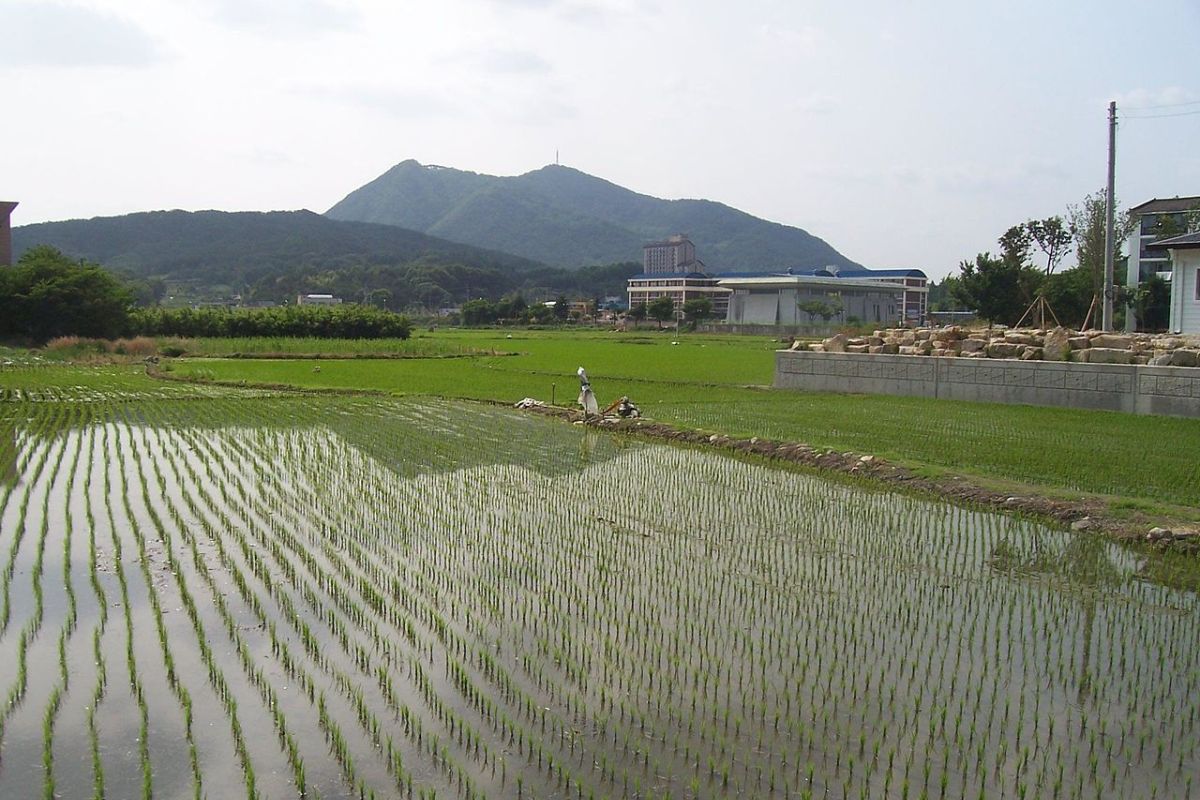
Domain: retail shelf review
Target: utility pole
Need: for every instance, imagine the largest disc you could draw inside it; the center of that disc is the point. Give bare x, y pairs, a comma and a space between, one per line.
1107, 314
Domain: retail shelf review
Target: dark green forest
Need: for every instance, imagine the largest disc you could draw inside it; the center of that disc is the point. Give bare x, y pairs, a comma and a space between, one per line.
272, 257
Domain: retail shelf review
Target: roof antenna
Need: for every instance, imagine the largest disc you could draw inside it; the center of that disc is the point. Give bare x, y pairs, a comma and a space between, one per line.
556, 156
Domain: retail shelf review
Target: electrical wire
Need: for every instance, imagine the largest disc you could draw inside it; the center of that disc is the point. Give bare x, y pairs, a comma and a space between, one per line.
1160, 116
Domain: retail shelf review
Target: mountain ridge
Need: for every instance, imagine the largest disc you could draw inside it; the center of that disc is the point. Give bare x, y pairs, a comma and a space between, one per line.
565, 217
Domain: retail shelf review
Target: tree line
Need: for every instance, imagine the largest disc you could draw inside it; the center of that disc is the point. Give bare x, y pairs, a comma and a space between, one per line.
47, 294
1001, 288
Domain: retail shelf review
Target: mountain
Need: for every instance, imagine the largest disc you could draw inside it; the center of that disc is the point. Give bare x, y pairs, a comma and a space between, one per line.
229, 247
274, 255
567, 218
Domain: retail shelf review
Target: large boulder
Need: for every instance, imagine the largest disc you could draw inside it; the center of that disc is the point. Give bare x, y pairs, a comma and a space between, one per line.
1057, 346
1185, 358
1079, 342
1106, 355
1018, 337
972, 345
947, 334
1031, 354
836, 344
1002, 350
1112, 341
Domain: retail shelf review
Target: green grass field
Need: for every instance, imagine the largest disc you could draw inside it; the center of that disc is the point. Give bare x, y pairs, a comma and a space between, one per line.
718, 384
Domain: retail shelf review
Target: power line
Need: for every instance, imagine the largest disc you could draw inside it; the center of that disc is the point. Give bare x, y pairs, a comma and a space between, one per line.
1165, 105
1160, 116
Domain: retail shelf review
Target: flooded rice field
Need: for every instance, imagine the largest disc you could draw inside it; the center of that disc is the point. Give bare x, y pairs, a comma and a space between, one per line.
283, 597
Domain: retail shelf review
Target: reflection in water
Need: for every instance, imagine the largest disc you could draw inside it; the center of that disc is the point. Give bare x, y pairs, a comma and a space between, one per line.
1086, 568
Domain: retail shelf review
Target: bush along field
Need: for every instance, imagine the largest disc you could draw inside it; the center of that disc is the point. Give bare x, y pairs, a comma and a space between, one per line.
213, 593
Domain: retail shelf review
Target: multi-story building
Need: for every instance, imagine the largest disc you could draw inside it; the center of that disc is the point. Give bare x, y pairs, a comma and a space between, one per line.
671, 268
676, 255
1153, 221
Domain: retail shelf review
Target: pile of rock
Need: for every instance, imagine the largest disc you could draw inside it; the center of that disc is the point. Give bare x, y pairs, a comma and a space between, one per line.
1026, 344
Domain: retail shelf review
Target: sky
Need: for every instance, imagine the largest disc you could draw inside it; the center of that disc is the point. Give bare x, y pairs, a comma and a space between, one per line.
904, 133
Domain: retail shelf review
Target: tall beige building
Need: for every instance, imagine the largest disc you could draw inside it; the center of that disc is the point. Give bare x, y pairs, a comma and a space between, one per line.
676, 255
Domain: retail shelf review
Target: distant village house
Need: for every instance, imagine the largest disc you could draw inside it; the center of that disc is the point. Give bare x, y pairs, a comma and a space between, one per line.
317, 300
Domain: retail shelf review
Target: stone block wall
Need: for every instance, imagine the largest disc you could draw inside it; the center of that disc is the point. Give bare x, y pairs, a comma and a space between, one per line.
1136, 389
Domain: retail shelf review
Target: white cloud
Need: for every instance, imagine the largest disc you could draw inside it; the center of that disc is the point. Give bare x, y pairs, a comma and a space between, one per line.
805, 38
394, 102
62, 35
815, 103
511, 62
285, 18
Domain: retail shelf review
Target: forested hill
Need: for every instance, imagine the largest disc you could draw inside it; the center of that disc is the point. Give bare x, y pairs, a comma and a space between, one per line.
567, 218
227, 246
274, 255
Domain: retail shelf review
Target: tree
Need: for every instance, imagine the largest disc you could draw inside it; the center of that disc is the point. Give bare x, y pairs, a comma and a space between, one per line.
942, 295
48, 294
826, 309
478, 312
662, 308
1069, 294
638, 312
698, 309
1152, 303
1053, 238
561, 308
1087, 226
998, 289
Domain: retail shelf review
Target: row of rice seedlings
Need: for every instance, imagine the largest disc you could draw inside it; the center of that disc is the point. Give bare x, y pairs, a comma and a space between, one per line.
215, 673
363, 583
98, 631
135, 682
29, 631
758, 659
54, 702
21, 524
256, 566
258, 678
925, 674
441, 627
182, 695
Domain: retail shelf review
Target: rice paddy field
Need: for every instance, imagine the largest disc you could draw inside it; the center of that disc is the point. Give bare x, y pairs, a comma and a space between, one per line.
209, 592
717, 383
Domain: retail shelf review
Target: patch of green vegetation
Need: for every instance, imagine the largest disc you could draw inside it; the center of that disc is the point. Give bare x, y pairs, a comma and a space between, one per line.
707, 383
242, 346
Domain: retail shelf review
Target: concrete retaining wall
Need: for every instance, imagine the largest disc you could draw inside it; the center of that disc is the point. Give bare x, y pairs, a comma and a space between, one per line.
1173, 391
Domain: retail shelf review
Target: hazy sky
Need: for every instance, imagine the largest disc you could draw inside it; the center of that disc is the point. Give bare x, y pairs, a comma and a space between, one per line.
904, 133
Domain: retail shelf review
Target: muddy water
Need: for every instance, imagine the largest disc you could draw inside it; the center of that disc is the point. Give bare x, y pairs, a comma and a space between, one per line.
555, 613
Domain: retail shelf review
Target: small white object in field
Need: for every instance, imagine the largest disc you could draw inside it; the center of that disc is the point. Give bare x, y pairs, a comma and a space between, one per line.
586, 398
